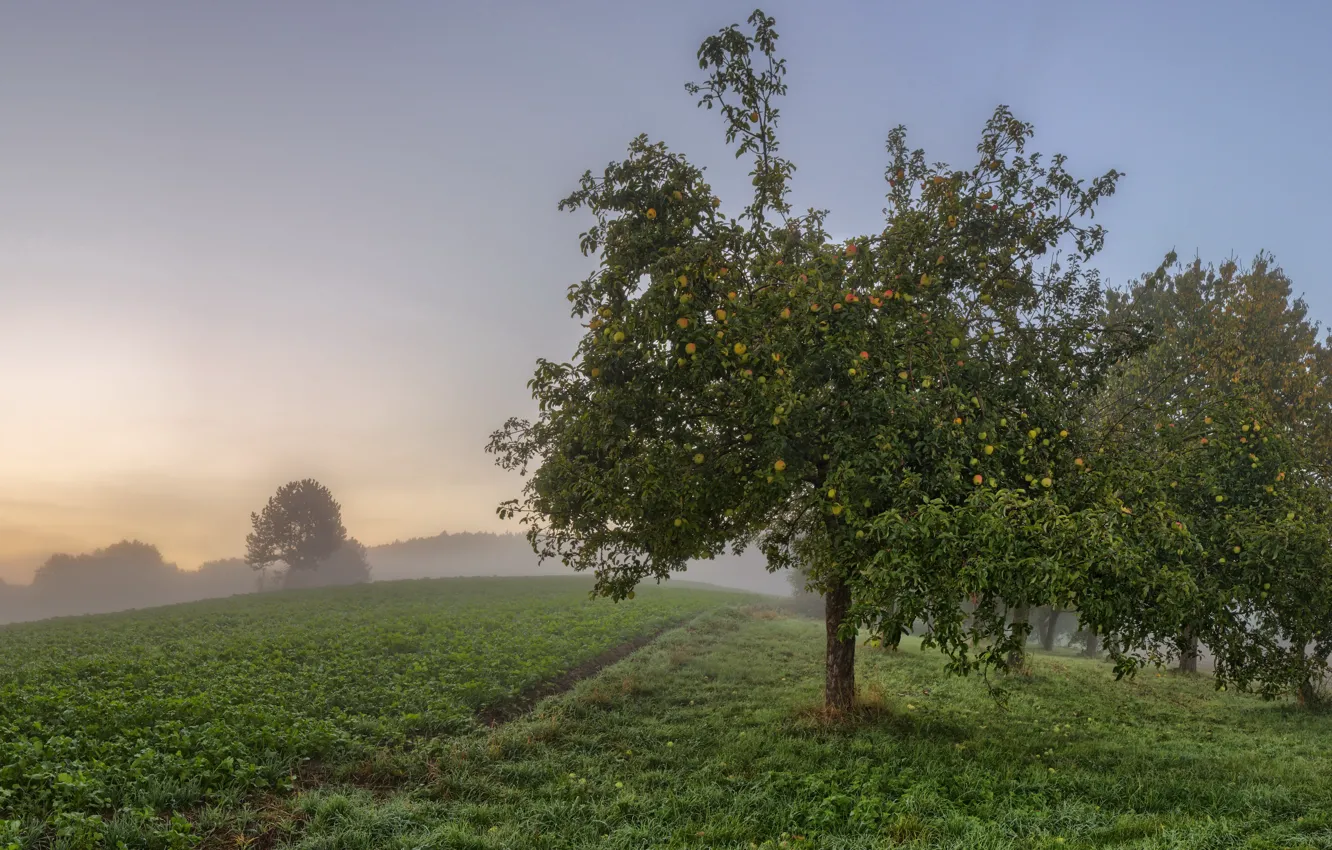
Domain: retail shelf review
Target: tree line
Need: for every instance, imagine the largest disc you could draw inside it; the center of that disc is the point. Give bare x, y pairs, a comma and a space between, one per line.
298, 542
948, 420
133, 574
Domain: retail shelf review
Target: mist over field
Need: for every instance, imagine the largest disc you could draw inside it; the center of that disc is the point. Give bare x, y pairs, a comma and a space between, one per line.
133, 575
511, 555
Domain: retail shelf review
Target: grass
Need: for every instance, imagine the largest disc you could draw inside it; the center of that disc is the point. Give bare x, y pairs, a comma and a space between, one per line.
713, 737
134, 727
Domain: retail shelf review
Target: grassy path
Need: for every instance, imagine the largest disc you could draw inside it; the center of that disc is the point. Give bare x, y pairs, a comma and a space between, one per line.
710, 738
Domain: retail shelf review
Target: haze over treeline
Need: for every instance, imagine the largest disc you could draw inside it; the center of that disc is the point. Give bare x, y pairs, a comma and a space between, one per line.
133, 574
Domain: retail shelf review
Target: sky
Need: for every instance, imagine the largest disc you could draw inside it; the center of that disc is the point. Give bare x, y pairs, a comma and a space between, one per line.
247, 242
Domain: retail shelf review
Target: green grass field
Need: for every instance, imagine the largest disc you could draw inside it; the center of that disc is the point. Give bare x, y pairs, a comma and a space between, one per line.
108, 724
710, 737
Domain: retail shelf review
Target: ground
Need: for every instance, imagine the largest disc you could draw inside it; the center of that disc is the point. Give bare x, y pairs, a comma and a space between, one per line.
109, 724
712, 737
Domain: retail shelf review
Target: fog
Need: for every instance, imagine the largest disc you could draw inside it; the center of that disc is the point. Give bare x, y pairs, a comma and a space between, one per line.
133, 574
238, 247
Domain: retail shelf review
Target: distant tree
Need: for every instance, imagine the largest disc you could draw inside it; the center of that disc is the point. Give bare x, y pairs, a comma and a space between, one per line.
1232, 418
1088, 639
224, 577
128, 574
1020, 627
301, 526
898, 414
804, 600
1049, 629
348, 565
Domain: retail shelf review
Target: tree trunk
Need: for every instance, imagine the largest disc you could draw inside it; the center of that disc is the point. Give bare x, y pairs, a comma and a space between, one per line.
1050, 629
840, 685
1018, 656
1093, 645
1305, 696
1188, 657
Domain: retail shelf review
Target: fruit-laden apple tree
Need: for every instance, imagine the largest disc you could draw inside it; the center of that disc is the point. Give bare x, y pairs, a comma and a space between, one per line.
301, 526
1230, 413
896, 413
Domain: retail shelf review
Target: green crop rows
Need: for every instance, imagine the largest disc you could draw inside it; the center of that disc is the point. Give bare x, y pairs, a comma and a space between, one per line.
116, 722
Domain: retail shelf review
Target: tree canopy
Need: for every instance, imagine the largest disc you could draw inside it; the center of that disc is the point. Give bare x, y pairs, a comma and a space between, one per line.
301, 526
900, 412
1230, 415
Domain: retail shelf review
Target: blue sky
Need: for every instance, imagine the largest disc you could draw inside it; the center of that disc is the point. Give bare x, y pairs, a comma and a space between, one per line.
245, 242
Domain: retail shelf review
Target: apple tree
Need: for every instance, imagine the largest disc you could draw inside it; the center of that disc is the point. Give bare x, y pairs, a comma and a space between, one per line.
1231, 406
897, 413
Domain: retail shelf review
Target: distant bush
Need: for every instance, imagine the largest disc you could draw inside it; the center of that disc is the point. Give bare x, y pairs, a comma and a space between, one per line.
124, 575
225, 577
348, 565
128, 574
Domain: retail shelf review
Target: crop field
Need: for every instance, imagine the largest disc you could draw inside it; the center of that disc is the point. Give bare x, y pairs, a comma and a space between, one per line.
126, 728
